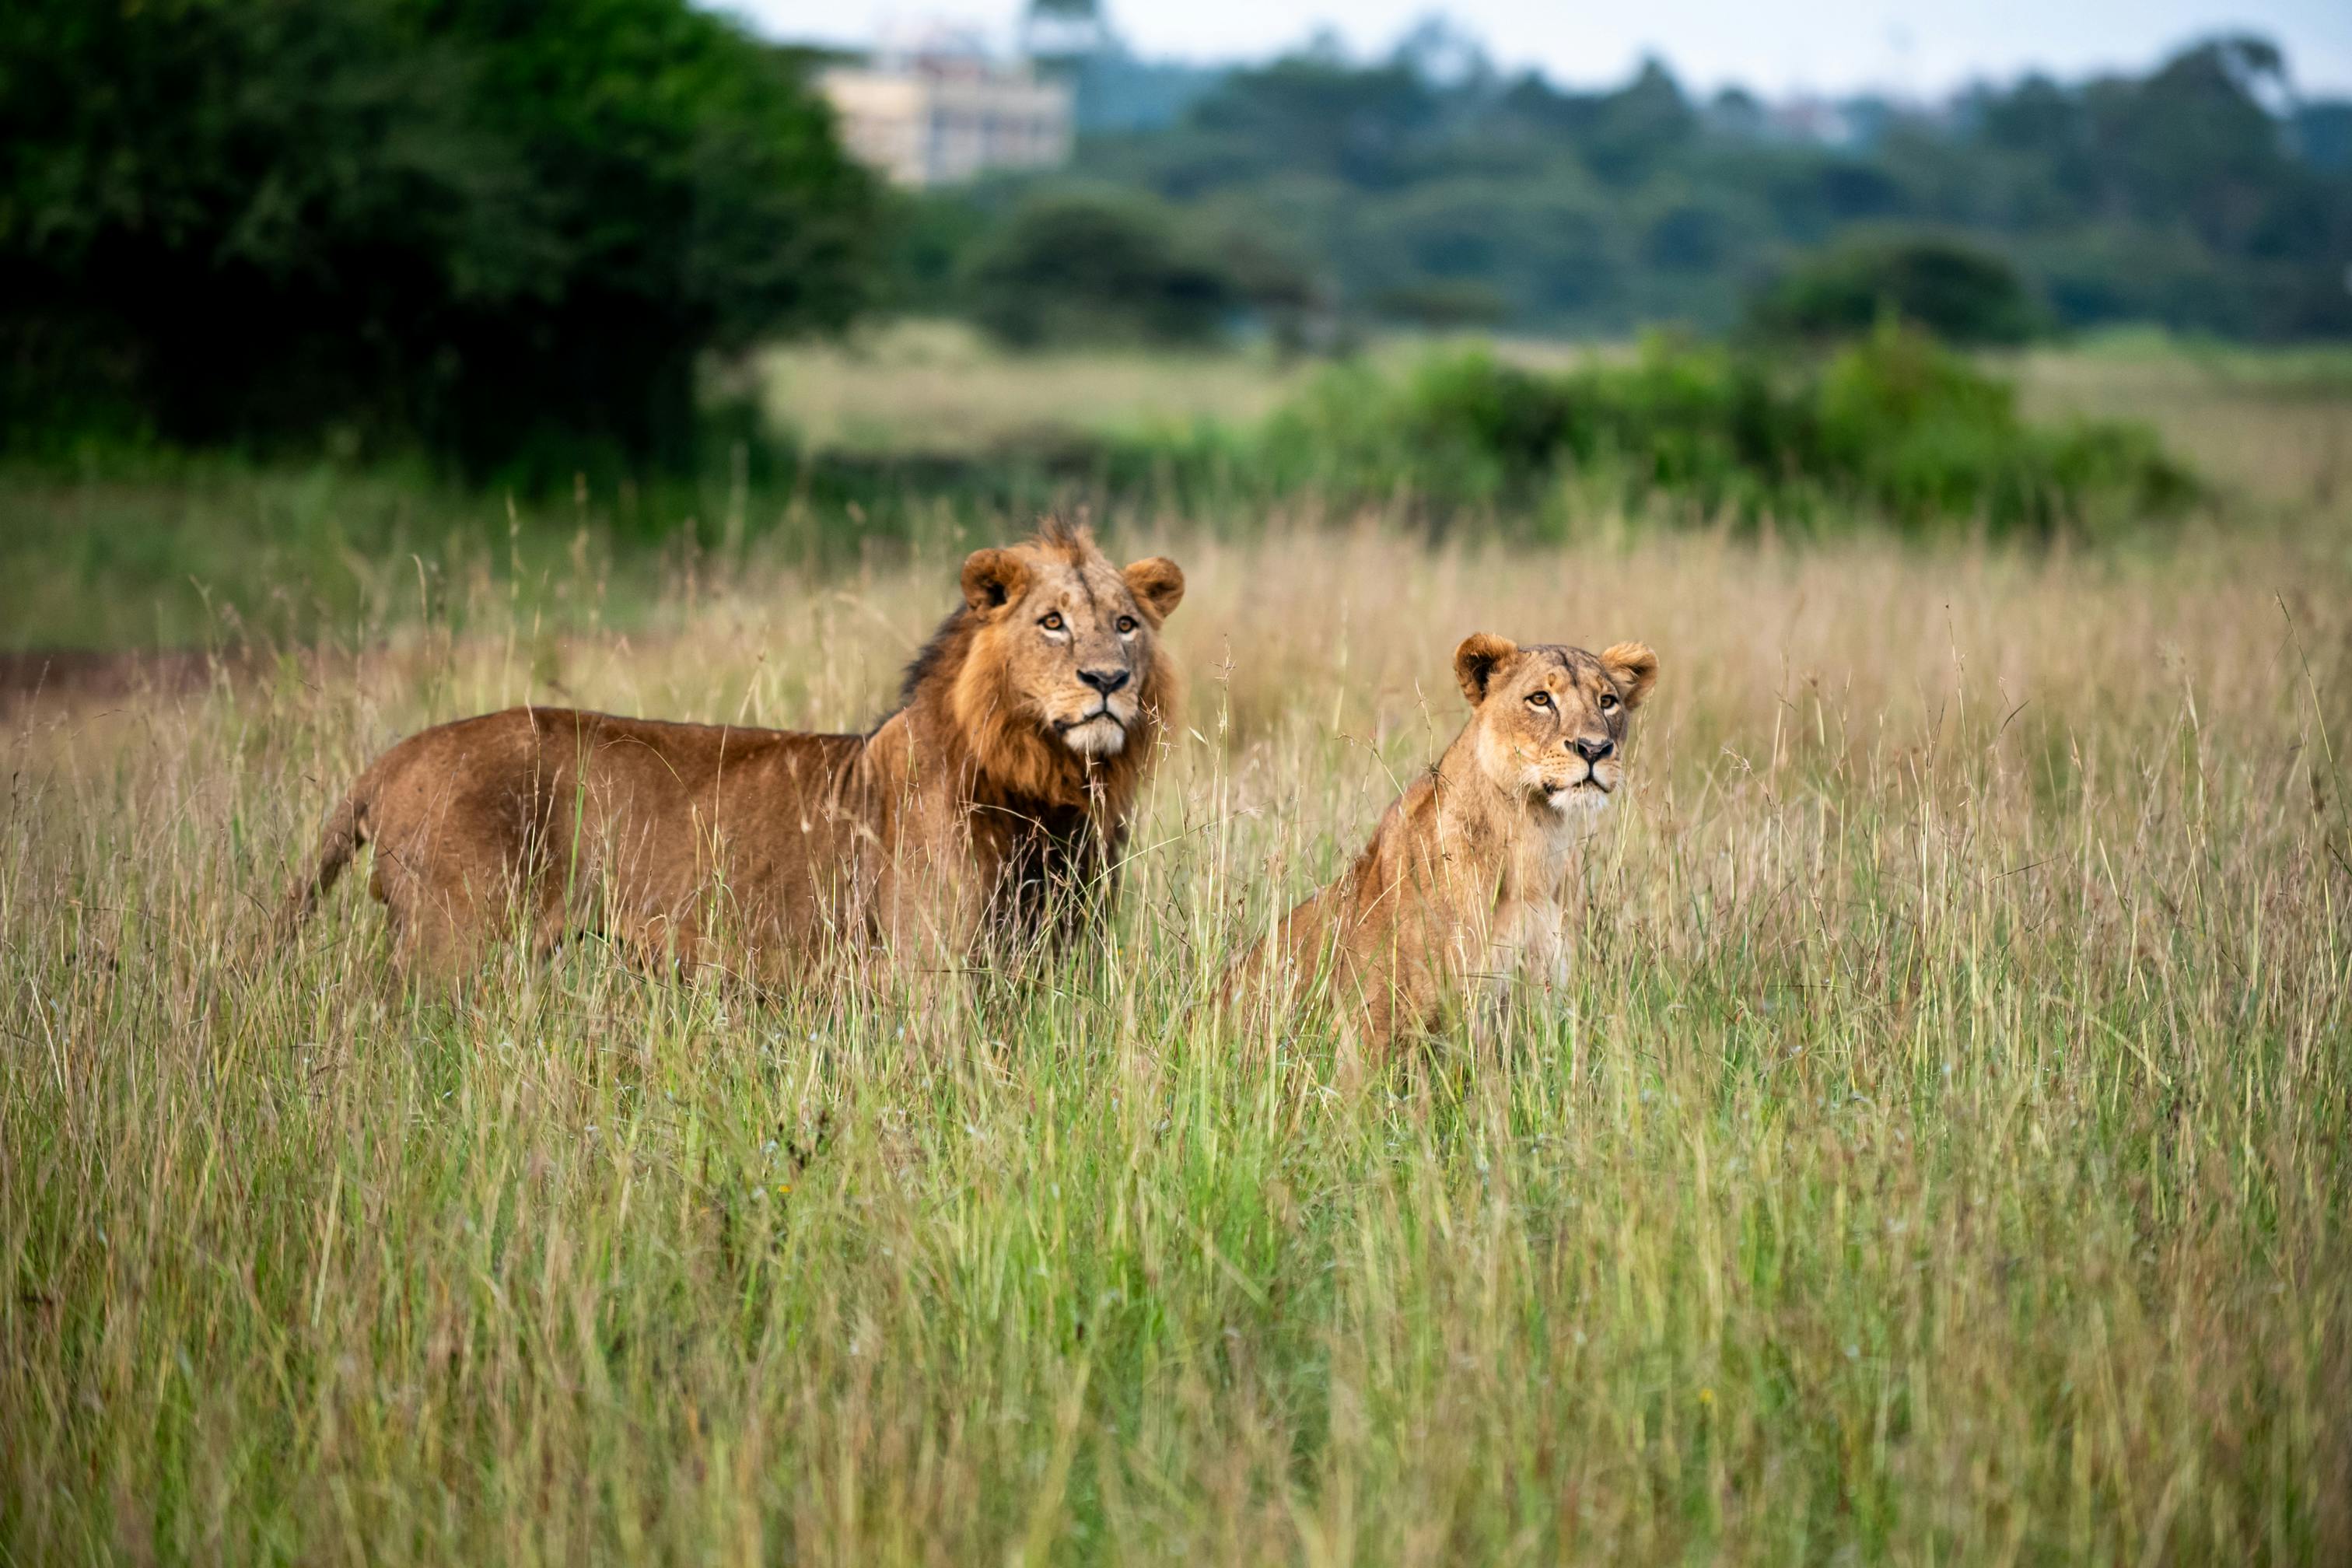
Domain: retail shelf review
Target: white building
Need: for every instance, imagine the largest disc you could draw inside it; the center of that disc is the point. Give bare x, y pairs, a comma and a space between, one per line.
937, 118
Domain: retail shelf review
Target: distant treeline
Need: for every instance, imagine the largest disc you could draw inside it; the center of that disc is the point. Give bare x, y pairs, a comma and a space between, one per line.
504, 230
1428, 189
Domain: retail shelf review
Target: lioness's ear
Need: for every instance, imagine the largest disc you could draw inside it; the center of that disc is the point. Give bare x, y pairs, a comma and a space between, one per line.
1158, 584
992, 577
1476, 660
1634, 667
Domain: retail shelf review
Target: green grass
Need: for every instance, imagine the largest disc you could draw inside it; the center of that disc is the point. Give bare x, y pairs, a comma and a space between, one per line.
1941, 1149
179, 552
145, 551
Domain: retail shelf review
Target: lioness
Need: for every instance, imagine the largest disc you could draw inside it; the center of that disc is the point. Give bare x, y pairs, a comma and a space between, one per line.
1023, 731
1462, 880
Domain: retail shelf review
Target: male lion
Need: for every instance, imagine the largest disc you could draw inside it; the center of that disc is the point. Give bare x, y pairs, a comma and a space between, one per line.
1002, 783
1464, 878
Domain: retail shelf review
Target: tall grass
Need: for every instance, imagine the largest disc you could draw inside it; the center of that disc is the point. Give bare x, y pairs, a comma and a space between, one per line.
1942, 1150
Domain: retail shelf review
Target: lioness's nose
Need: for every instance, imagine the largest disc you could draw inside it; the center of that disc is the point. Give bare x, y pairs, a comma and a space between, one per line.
1104, 680
1592, 750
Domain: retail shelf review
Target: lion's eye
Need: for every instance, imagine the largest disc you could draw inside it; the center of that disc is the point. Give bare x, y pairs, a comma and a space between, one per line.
1608, 700
1053, 621
1538, 699
1126, 624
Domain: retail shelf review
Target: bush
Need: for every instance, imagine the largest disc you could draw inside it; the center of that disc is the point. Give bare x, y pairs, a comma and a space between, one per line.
1922, 434
1959, 293
1893, 428
1089, 266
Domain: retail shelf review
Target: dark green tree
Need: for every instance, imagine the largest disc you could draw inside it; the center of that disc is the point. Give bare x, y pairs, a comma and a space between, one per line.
1078, 266
497, 227
1960, 293
1635, 129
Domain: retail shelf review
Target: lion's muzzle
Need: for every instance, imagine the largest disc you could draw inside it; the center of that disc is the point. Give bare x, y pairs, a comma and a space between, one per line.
1100, 734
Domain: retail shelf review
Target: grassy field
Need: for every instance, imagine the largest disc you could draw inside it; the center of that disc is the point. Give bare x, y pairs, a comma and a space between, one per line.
1942, 1153
937, 386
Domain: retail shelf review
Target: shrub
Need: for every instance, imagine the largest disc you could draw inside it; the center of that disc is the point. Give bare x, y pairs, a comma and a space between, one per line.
1463, 427
1894, 427
1957, 291
1921, 433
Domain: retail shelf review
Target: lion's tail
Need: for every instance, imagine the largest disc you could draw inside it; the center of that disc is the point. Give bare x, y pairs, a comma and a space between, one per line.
345, 831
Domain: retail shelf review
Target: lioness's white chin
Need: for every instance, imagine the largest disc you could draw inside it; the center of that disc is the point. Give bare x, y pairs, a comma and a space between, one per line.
1582, 795
1100, 736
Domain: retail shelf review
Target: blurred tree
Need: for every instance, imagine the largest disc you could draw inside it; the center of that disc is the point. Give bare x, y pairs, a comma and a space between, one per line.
1638, 127
930, 234
1089, 265
1445, 304
502, 228
1957, 291
2196, 197
2194, 141
1688, 237
1357, 125
1276, 285
2323, 134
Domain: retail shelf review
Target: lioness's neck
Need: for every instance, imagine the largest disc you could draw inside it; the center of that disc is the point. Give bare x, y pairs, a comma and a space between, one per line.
1507, 840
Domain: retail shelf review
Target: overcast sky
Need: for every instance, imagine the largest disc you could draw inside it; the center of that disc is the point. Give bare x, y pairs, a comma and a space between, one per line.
1825, 46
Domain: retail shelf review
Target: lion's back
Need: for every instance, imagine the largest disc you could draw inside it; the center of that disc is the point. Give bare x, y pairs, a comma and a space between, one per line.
641, 789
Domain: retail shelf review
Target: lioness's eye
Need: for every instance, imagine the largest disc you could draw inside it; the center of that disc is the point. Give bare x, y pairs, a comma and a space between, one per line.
1608, 700
1538, 699
1126, 624
1053, 622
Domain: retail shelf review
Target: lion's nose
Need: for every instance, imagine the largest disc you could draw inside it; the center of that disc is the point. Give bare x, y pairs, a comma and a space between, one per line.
1592, 750
1104, 680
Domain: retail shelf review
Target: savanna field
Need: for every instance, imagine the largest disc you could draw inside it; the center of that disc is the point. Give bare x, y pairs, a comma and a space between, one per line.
1941, 1151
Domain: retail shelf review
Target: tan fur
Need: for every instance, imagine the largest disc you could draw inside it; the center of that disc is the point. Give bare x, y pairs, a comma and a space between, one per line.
1463, 882
995, 797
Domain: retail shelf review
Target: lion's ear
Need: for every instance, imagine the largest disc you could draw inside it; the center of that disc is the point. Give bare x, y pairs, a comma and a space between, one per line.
1634, 667
1158, 584
1475, 662
992, 578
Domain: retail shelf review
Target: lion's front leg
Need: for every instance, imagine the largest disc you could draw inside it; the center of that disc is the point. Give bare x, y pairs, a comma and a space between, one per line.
927, 908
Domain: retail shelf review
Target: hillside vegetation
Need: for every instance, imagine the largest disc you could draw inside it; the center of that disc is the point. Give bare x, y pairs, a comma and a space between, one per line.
1431, 188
